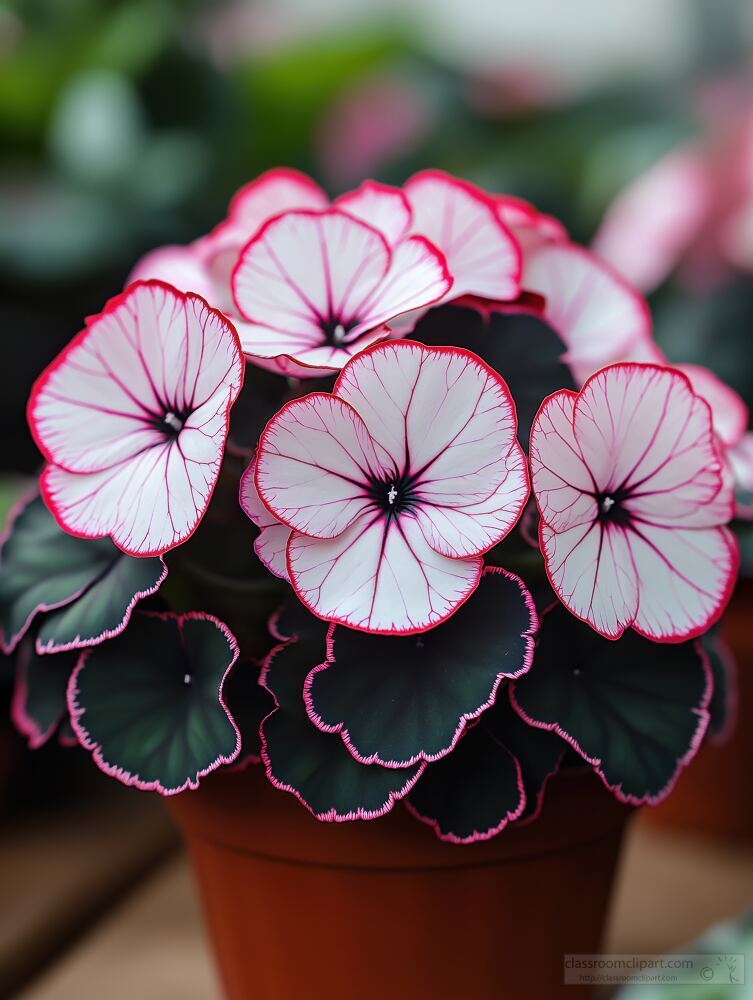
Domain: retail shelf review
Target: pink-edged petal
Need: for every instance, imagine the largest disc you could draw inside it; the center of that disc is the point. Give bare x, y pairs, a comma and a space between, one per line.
729, 412
152, 353
530, 227
440, 413
147, 505
462, 222
180, 266
417, 277
642, 428
563, 483
278, 190
599, 317
380, 575
592, 572
272, 543
314, 465
303, 272
686, 579
314, 362
459, 529
655, 220
383, 207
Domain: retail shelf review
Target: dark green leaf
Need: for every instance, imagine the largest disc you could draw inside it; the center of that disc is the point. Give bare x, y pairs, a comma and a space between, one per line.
475, 792
315, 766
149, 704
39, 705
89, 587
635, 709
396, 700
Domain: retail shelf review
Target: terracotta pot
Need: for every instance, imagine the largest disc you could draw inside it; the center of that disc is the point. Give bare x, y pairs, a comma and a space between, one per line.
368, 910
711, 796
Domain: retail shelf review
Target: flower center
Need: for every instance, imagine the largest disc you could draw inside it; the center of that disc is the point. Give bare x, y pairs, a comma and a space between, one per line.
611, 509
173, 421
170, 423
392, 495
335, 331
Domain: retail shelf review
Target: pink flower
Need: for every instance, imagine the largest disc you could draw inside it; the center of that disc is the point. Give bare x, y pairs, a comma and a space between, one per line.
307, 319
132, 417
692, 210
633, 500
315, 288
392, 487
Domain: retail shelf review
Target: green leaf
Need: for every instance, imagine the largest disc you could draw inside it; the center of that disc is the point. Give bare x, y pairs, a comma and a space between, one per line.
634, 709
150, 706
314, 766
519, 345
397, 700
89, 587
39, 707
495, 776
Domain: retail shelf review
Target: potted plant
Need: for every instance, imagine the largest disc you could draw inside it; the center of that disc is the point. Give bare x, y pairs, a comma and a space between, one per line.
490, 543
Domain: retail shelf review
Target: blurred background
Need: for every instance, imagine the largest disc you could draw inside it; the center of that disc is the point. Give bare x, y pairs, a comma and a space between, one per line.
126, 125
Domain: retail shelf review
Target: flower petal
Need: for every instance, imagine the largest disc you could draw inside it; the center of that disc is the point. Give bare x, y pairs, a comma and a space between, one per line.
561, 479
272, 543
462, 222
686, 579
180, 266
440, 413
277, 190
262, 346
314, 465
459, 529
730, 414
592, 572
599, 317
380, 575
383, 207
655, 219
417, 277
530, 227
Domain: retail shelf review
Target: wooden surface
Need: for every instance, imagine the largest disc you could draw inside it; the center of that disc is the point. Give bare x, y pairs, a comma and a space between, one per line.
152, 947
57, 881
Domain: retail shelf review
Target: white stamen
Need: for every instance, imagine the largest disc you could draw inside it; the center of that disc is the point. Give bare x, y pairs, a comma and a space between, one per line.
186, 678
392, 495
338, 334
172, 421
606, 504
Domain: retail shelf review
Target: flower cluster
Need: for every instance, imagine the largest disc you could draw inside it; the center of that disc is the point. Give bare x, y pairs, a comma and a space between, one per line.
436, 324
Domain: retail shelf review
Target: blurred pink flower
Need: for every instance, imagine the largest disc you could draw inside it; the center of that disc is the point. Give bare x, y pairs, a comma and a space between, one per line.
691, 212
375, 122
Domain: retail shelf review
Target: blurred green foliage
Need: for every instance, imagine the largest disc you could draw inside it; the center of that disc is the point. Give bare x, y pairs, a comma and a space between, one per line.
123, 128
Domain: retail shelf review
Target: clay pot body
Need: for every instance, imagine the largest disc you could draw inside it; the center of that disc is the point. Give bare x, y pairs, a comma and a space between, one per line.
301, 909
